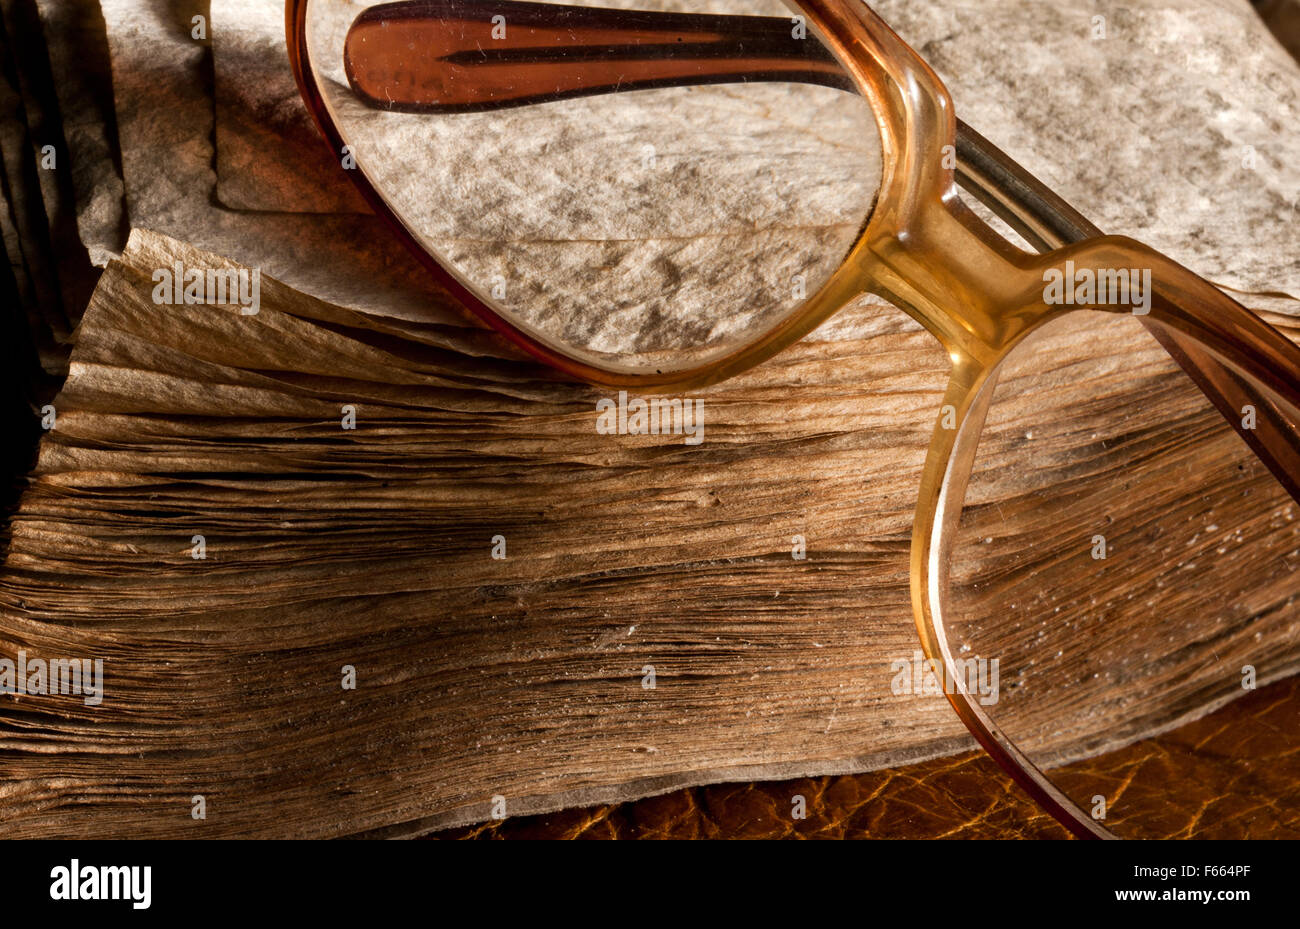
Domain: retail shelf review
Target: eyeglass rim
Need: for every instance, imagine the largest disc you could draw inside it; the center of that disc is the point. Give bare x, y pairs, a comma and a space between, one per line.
895, 72
912, 108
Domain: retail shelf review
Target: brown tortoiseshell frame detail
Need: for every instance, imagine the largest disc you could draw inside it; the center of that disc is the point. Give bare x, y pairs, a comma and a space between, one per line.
929, 255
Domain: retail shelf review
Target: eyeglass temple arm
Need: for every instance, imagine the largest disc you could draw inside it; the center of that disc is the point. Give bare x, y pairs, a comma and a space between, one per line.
1048, 222
440, 56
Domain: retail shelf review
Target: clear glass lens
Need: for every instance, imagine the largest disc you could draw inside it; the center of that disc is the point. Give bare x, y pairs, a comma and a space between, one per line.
660, 222
1131, 566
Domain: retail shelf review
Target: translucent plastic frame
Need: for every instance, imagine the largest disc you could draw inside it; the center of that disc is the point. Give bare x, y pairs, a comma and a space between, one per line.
980, 295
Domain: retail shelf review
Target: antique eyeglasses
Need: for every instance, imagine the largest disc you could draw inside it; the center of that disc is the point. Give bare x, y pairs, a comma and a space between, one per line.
657, 195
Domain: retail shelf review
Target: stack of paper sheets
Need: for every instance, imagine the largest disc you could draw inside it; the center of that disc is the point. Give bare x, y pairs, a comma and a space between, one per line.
138, 133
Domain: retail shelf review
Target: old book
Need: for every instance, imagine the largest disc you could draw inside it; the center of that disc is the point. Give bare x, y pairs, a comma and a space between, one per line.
349, 575
521, 680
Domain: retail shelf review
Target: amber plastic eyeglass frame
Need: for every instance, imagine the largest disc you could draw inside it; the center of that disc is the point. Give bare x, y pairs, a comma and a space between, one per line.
928, 254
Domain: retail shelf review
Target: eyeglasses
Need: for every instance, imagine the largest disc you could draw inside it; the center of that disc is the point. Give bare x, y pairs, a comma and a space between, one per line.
1105, 541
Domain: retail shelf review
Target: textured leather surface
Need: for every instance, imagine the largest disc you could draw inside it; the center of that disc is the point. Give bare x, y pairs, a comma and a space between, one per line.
1233, 774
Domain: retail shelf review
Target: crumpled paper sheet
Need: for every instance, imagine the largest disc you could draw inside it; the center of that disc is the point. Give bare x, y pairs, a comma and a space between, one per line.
754, 185
1145, 130
165, 125
270, 155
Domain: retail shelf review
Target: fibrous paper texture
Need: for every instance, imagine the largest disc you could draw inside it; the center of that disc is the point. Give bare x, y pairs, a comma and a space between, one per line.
1162, 121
